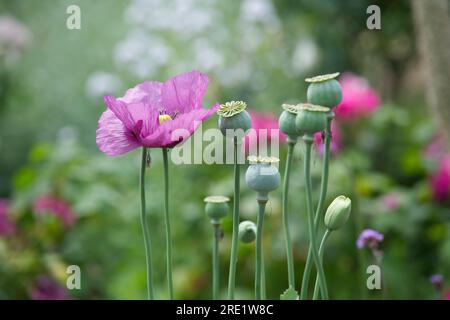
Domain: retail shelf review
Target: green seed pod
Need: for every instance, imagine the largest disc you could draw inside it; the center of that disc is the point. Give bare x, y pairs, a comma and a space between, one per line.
311, 118
324, 90
262, 176
338, 212
247, 231
216, 207
286, 121
234, 117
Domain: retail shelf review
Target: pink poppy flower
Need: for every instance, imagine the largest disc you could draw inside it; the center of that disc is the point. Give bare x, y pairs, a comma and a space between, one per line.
390, 202
7, 226
335, 139
358, 98
440, 180
58, 207
149, 114
264, 127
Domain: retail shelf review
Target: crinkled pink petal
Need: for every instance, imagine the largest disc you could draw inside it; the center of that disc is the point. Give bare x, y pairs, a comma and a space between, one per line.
113, 138
184, 92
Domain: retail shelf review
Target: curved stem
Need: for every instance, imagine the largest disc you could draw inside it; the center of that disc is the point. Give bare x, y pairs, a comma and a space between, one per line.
321, 251
234, 241
287, 235
312, 233
259, 259
145, 229
320, 207
216, 266
167, 223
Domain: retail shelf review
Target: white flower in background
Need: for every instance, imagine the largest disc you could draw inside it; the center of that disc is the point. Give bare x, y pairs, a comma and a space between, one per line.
305, 56
14, 38
208, 57
100, 84
259, 11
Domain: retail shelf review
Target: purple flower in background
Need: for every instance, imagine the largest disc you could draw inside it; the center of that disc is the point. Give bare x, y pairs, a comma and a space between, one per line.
56, 206
335, 139
149, 114
45, 288
390, 202
369, 238
437, 280
7, 226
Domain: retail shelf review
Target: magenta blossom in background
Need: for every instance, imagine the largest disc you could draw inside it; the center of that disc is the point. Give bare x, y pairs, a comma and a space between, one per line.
7, 226
369, 238
390, 202
358, 98
58, 207
148, 114
335, 139
45, 288
264, 127
440, 180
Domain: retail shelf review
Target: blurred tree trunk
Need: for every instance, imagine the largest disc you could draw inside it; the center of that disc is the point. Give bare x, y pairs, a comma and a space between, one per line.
432, 20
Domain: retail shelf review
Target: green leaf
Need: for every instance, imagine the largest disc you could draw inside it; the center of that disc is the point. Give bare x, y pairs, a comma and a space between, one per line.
289, 294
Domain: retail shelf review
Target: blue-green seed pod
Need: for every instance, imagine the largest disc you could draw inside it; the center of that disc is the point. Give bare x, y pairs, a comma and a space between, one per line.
233, 117
216, 207
311, 118
338, 212
324, 90
286, 122
262, 176
247, 232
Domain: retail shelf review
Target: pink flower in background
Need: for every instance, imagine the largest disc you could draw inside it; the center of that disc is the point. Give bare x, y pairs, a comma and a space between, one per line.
264, 126
435, 149
335, 139
45, 288
358, 98
7, 226
58, 207
440, 180
390, 202
369, 238
148, 114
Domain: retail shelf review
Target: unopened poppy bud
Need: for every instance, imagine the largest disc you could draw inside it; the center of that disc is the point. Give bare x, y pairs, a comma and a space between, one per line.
262, 176
247, 231
324, 90
338, 212
216, 207
311, 118
286, 122
233, 117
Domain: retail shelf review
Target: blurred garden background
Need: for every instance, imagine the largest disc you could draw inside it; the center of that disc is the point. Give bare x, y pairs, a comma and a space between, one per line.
64, 203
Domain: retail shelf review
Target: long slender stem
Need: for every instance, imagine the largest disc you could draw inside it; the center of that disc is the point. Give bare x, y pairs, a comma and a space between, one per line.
320, 206
167, 223
263, 279
234, 241
259, 259
312, 234
216, 266
145, 229
287, 235
321, 251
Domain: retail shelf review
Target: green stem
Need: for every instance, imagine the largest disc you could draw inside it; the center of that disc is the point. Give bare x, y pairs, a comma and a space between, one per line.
145, 229
167, 223
287, 235
234, 241
263, 280
321, 251
320, 207
216, 266
312, 234
258, 255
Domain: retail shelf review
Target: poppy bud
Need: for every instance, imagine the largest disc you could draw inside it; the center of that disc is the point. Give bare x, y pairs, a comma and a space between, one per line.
234, 117
247, 231
286, 121
311, 118
324, 90
216, 207
262, 176
338, 212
